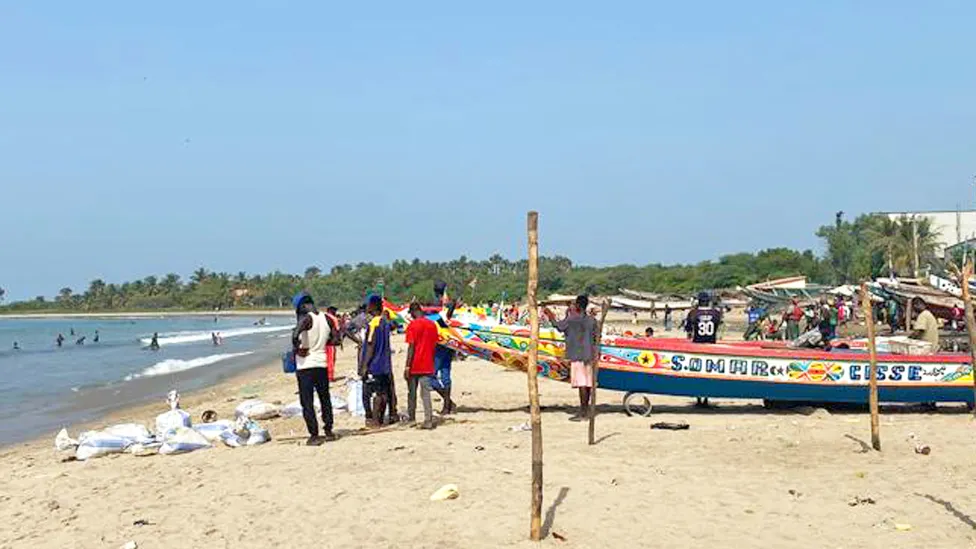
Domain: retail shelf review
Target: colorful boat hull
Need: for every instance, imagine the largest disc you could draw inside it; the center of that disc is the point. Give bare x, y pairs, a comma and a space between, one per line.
678, 367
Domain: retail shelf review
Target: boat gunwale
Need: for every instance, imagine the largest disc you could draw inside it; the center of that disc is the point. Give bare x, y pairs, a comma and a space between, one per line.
726, 349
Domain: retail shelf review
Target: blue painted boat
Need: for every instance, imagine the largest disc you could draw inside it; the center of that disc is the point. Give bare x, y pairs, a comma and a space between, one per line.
731, 370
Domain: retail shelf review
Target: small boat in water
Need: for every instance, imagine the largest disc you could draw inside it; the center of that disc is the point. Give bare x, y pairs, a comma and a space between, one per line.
729, 370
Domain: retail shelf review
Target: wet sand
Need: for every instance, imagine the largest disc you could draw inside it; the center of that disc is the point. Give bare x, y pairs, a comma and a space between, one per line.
741, 476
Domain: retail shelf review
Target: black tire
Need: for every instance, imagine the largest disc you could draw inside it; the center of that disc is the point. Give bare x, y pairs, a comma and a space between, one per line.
641, 407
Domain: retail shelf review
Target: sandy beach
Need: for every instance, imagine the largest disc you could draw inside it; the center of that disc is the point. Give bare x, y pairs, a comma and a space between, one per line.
740, 476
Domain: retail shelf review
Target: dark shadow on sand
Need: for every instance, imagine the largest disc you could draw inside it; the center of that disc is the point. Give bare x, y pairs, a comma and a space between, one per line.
963, 518
865, 447
551, 513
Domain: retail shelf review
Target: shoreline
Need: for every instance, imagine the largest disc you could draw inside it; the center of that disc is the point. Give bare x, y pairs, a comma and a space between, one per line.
150, 406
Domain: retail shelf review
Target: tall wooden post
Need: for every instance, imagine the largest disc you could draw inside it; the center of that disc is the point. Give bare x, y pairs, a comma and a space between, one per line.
909, 311
873, 377
591, 436
967, 302
532, 371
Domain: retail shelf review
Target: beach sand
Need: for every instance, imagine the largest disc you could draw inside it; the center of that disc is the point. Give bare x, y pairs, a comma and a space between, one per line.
740, 477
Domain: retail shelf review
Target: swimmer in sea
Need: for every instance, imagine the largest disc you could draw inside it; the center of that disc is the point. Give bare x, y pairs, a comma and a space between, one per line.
16, 346
154, 344
96, 337
59, 340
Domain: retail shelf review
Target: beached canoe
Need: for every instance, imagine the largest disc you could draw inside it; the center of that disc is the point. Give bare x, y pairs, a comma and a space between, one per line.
679, 367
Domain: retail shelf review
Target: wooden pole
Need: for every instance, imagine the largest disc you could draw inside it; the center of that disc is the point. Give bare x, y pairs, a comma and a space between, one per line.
967, 271
591, 436
532, 371
909, 310
873, 378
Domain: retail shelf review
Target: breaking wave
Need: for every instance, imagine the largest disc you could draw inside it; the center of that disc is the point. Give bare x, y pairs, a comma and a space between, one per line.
173, 365
195, 337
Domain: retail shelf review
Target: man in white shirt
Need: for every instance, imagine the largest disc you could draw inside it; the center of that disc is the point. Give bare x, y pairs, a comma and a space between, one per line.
309, 339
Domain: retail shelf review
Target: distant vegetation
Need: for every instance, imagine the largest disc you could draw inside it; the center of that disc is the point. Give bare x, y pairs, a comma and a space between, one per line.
854, 251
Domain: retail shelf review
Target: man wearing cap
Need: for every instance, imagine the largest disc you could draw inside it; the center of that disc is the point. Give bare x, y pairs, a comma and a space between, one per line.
703, 325
443, 356
376, 364
704, 320
309, 339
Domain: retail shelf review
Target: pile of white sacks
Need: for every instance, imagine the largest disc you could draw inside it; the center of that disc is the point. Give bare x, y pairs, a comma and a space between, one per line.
174, 434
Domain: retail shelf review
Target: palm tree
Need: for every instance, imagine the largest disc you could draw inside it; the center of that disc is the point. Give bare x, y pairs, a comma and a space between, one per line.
884, 235
64, 295
920, 240
170, 283
152, 284
199, 275
3, 294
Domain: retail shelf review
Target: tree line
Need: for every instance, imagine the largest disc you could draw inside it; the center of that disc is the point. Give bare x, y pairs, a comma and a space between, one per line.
868, 246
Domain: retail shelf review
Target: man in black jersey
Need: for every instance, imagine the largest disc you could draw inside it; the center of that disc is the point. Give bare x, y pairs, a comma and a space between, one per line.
704, 320
702, 325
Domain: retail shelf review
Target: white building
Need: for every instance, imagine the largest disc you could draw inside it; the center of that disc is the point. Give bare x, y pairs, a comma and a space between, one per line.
953, 226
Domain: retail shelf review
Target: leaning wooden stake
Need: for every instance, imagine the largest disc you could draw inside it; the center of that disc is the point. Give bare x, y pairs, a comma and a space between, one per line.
967, 271
873, 376
532, 370
596, 370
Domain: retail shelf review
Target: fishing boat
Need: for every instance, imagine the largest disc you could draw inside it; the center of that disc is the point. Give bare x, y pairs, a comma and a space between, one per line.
641, 366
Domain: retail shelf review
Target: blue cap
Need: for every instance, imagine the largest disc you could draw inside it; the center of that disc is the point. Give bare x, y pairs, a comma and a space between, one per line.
299, 298
374, 299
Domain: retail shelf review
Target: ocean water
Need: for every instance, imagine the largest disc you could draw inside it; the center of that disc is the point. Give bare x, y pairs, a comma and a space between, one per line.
44, 387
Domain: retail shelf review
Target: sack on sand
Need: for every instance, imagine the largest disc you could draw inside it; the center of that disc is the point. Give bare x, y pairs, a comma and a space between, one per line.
256, 409
182, 440
63, 442
292, 410
134, 432
168, 422
246, 432
295, 408
213, 430
142, 450
354, 397
94, 444
175, 418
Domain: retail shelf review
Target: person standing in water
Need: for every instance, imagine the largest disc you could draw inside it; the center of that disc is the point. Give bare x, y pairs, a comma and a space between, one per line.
308, 340
582, 346
59, 340
16, 346
154, 343
95, 340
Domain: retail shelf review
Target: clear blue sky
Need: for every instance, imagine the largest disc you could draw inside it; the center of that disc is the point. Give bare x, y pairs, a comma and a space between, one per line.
141, 138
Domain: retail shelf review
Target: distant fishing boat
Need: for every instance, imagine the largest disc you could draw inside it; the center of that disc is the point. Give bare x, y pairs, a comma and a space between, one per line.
639, 366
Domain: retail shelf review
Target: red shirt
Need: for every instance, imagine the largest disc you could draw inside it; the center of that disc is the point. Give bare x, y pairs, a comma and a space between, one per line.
422, 334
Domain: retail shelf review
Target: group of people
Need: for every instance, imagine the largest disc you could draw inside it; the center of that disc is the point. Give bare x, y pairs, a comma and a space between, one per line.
795, 320
59, 341
427, 366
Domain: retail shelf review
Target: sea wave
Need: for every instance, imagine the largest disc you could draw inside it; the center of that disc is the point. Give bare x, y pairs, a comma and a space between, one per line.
195, 337
173, 365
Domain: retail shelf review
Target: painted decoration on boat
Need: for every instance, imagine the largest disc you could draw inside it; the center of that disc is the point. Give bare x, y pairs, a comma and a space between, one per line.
507, 347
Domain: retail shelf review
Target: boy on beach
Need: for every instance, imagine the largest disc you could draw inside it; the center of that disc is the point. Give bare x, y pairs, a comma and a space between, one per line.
375, 365
582, 345
422, 340
309, 339
443, 356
